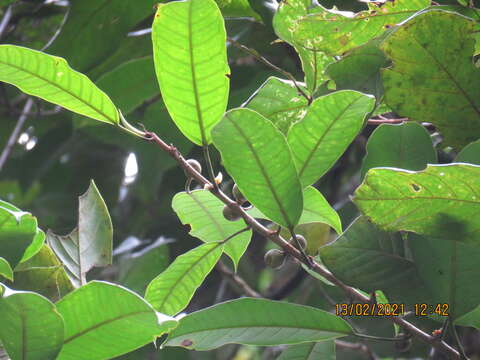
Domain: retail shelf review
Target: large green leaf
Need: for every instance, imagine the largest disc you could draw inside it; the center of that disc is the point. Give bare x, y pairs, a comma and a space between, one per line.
426, 202
52, 79
285, 25
43, 274
257, 156
191, 65
256, 322
204, 213
121, 319
407, 146
324, 350
278, 100
371, 259
17, 232
90, 244
470, 154
337, 32
445, 92
95, 29
317, 209
330, 125
171, 291
32, 329
447, 269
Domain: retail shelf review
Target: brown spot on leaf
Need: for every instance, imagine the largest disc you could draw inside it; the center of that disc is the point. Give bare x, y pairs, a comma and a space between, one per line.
187, 343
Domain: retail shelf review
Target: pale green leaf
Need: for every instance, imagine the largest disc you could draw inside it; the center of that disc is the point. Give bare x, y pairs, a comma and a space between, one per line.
444, 93
191, 64
256, 322
204, 213
407, 146
5, 269
171, 291
52, 79
330, 125
90, 244
426, 202
119, 317
258, 158
34, 329
317, 209
324, 350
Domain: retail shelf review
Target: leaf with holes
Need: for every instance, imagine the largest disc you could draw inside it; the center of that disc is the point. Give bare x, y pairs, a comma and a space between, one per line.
278, 100
335, 32
445, 93
32, 327
426, 202
256, 322
258, 158
330, 125
119, 317
90, 244
171, 291
52, 79
204, 213
407, 146
191, 65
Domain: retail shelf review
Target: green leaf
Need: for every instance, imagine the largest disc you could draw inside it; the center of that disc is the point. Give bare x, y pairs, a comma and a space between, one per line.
35, 246
43, 274
470, 319
17, 231
52, 79
470, 153
204, 213
324, 350
256, 322
407, 146
236, 8
34, 328
257, 157
444, 93
317, 209
336, 32
285, 25
370, 259
360, 70
5, 269
90, 244
171, 291
447, 269
120, 318
330, 125
191, 65
278, 100
426, 202
96, 28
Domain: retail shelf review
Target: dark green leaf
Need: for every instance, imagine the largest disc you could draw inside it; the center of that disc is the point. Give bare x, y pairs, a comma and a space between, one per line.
445, 92
120, 318
191, 65
426, 202
52, 79
407, 146
324, 350
278, 100
257, 156
171, 291
203, 212
470, 154
330, 125
34, 328
256, 322
90, 244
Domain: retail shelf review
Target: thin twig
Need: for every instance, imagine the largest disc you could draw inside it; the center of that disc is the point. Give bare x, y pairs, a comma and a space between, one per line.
15, 133
263, 60
236, 280
208, 160
383, 120
5, 20
292, 250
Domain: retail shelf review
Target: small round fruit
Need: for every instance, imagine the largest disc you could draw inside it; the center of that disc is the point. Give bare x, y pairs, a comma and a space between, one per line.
195, 164
230, 214
238, 195
274, 258
301, 240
